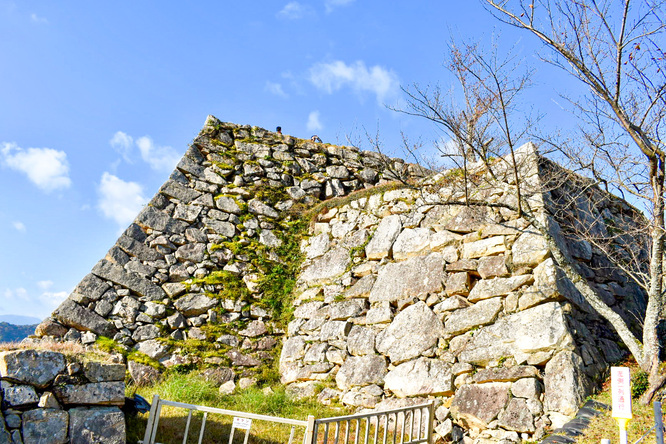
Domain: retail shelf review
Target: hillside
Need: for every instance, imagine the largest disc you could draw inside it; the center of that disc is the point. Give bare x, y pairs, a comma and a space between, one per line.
13, 333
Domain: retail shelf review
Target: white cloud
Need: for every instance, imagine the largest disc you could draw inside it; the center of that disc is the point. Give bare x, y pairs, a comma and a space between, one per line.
119, 200
162, 158
19, 293
275, 88
293, 11
45, 285
332, 4
53, 298
335, 75
36, 19
45, 167
19, 226
314, 124
123, 144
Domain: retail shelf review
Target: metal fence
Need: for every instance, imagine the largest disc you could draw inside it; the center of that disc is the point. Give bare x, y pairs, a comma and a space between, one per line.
406, 425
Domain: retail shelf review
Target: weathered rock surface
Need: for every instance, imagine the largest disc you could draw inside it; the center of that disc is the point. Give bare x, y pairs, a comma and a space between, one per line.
91, 425
530, 333
361, 371
34, 367
420, 377
46, 426
94, 393
382, 240
399, 280
476, 405
565, 383
412, 332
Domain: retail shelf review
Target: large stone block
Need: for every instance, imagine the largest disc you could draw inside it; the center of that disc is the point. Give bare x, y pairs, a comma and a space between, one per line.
99, 372
94, 425
566, 383
538, 331
482, 313
529, 249
94, 393
414, 277
73, 315
327, 267
45, 426
132, 281
484, 247
478, 404
517, 417
382, 240
361, 341
361, 371
413, 331
489, 288
420, 377
17, 395
411, 242
34, 367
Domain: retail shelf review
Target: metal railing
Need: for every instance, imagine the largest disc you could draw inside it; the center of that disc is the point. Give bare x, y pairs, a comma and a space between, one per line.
406, 425
241, 420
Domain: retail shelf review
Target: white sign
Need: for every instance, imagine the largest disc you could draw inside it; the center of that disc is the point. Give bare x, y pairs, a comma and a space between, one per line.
242, 423
621, 391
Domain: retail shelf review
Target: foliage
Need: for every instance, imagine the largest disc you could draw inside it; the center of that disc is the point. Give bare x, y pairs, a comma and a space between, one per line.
108, 345
639, 383
12, 333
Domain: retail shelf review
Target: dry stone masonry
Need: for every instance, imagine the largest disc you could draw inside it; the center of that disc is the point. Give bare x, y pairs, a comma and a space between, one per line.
47, 398
384, 295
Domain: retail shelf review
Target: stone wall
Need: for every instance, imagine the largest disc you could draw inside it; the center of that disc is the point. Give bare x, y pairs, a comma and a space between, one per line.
399, 295
404, 297
186, 282
49, 398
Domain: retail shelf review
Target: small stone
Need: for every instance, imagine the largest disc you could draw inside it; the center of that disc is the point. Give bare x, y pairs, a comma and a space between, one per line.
48, 401
227, 388
142, 374
245, 383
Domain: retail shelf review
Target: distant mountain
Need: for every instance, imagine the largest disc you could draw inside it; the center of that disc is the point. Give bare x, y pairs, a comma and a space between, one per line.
20, 320
14, 333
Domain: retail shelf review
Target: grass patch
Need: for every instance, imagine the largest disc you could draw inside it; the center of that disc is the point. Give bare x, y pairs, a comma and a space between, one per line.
605, 427
191, 388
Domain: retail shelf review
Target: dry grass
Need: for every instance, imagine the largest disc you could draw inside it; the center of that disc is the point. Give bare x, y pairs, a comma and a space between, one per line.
67, 348
605, 427
64, 347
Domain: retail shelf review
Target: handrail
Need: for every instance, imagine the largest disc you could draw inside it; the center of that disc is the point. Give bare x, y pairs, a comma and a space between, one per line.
367, 415
201, 408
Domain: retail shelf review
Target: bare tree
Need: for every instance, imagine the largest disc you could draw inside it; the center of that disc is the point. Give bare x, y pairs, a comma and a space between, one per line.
489, 123
614, 48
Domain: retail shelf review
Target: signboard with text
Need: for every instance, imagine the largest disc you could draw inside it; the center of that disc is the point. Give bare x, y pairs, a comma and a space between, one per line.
621, 392
242, 423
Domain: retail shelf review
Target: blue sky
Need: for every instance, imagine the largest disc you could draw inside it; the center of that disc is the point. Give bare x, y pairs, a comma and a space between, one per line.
99, 100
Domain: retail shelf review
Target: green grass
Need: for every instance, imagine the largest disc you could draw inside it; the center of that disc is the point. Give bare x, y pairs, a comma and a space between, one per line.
605, 427
191, 388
